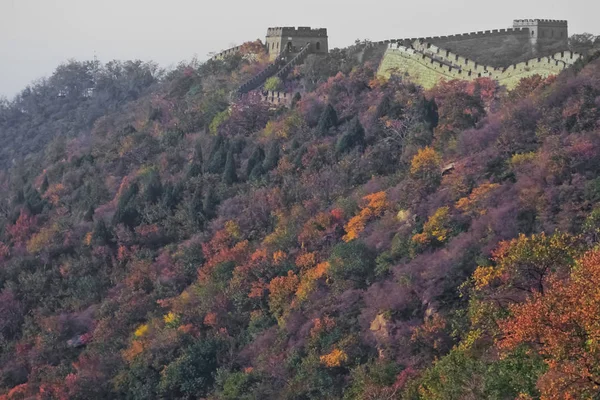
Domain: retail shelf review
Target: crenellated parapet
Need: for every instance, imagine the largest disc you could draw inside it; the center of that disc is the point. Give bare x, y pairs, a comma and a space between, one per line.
303, 31
427, 64
277, 98
226, 53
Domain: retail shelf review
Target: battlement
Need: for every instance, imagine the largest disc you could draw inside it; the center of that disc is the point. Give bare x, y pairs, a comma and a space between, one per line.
226, 53
427, 64
277, 98
302, 31
547, 22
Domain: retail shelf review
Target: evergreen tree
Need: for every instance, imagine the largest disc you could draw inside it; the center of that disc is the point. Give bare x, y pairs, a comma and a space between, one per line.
195, 208
272, 157
257, 172
218, 156
196, 165
299, 155
89, 214
229, 175
154, 188
171, 196
45, 184
209, 204
33, 201
257, 157
101, 234
127, 212
297, 97
328, 119
354, 136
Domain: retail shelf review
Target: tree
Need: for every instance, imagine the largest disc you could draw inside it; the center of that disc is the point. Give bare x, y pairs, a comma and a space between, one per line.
273, 83
354, 137
272, 157
425, 166
127, 212
327, 120
218, 156
192, 373
561, 324
210, 202
154, 189
523, 265
351, 262
257, 157
45, 184
376, 204
582, 43
229, 174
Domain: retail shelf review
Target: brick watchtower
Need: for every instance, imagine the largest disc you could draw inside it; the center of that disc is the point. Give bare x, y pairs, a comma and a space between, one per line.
545, 31
290, 40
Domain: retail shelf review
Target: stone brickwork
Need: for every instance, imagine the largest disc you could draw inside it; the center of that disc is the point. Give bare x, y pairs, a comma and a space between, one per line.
544, 30
277, 98
427, 64
290, 40
226, 53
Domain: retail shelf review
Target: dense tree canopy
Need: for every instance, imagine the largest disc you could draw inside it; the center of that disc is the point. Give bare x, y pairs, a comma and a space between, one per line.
159, 239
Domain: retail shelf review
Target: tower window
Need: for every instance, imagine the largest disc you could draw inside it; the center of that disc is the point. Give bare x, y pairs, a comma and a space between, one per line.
318, 45
532, 33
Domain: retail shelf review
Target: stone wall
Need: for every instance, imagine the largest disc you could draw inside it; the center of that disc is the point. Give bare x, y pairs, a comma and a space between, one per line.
277, 98
226, 53
427, 64
292, 40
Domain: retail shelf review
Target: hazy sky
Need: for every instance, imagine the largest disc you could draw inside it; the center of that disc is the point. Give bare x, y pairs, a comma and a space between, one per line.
38, 35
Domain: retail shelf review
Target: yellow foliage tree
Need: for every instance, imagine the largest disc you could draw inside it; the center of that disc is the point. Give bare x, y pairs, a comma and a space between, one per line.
376, 204
43, 238
426, 166
334, 359
436, 230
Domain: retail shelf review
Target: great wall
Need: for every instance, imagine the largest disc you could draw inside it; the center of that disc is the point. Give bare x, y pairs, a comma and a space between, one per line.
530, 47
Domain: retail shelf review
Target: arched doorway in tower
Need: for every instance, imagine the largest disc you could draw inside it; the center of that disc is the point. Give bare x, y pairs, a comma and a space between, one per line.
318, 46
288, 47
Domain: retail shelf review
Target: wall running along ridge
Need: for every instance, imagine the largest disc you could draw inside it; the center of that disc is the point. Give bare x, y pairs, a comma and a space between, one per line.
426, 64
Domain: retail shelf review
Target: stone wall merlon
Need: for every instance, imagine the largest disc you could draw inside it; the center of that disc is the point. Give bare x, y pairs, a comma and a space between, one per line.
300, 31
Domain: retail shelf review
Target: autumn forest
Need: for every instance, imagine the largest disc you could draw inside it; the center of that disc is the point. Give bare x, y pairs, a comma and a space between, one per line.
161, 239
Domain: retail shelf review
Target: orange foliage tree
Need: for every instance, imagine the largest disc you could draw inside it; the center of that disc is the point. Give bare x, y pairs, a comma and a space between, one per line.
376, 205
562, 324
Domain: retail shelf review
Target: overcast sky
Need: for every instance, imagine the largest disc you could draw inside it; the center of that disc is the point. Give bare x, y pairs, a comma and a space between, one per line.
38, 35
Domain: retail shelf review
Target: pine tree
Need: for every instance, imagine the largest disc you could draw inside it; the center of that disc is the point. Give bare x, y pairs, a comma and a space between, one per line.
272, 157
209, 205
218, 156
354, 136
229, 175
102, 234
196, 165
89, 214
154, 188
257, 157
45, 184
327, 120
256, 173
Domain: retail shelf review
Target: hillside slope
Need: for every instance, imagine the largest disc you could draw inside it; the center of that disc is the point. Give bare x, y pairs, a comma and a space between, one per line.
375, 241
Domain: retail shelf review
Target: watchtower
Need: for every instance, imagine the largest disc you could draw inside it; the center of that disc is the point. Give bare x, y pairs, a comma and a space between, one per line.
290, 40
545, 31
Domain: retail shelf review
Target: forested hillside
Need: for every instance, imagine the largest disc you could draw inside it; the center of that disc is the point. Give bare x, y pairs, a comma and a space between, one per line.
160, 239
